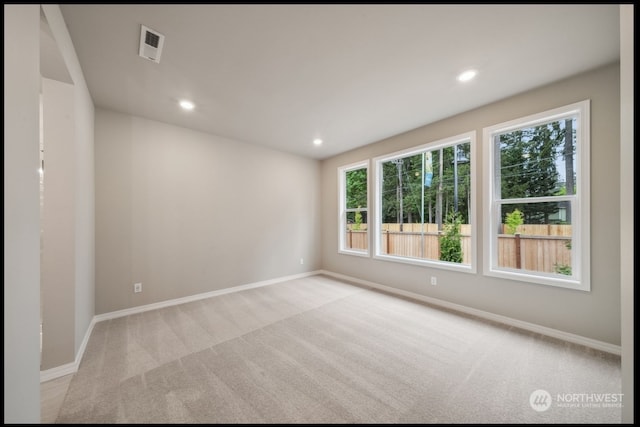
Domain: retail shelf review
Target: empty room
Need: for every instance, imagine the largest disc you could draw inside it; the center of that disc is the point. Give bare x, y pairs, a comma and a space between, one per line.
318, 213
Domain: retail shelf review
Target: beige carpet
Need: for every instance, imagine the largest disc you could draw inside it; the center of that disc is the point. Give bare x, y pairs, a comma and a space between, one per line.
317, 350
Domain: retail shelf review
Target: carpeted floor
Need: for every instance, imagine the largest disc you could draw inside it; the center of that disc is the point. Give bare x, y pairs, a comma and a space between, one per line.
317, 350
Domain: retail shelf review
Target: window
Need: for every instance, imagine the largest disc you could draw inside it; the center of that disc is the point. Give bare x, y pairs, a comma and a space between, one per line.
425, 204
537, 182
353, 191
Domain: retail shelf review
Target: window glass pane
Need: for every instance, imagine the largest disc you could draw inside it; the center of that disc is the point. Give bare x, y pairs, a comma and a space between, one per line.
536, 237
425, 205
543, 213
357, 229
537, 161
354, 237
356, 191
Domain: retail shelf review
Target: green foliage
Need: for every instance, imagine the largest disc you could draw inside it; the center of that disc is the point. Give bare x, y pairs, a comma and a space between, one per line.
358, 220
513, 220
413, 191
451, 241
563, 269
562, 191
528, 168
356, 181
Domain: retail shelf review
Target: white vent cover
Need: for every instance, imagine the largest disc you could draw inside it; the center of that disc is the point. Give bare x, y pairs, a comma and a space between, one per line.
151, 43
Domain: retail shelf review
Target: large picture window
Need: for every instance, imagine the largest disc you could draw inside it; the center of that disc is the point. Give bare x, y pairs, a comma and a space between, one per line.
354, 202
425, 204
537, 181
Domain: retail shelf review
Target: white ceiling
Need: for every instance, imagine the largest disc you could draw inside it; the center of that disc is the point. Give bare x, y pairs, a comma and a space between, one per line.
282, 75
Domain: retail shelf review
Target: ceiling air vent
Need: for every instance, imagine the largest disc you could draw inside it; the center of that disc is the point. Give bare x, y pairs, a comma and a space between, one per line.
150, 44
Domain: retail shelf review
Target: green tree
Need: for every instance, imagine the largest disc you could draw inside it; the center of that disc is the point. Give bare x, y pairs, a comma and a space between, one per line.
403, 189
513, 220
451, 241
528, 168
390, 202
412, 188
357, 223
356, 188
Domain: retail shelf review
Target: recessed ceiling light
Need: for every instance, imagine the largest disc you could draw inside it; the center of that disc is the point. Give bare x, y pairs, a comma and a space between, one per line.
317, 141
187, 105
467, 75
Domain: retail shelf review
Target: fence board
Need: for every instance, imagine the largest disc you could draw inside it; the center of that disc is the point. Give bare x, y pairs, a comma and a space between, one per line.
543, 251
537, 253
420, 245
353, 227
357, 239
543, 229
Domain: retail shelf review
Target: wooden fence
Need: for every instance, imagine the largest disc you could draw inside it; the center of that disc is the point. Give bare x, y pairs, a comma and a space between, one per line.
534, 247
357, 239
534, 253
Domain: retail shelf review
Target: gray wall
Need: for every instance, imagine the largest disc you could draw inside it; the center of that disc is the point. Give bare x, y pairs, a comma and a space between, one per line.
22, 82
70, 303
627, 206
21, 214
595, 314
57, 274
184, 212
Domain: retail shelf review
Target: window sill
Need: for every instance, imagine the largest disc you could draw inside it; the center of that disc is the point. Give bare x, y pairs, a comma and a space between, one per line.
463, 268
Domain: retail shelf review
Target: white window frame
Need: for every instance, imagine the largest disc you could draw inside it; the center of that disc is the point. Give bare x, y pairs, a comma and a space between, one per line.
580, 208
342, 209
469, 137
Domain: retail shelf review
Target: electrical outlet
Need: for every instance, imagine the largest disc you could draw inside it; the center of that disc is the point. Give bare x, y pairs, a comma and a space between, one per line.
301, 261
434, 280
137, 287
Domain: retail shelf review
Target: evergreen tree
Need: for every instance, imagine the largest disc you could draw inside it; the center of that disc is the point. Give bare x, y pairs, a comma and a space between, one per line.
356, 188
528, 169
404, 182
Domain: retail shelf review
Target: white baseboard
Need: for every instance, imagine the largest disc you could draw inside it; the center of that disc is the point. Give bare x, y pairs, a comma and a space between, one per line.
69, 368
58, 371
72, 368
190, 298
565, 336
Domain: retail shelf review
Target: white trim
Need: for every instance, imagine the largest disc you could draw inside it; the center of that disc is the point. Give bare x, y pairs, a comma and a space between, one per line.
375, 214
535, 119
581, 278
583, 177
429, 146
342, 209
554, 333
197, 297
462, 268
58, 371
85, 341
71, 368
354, 252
